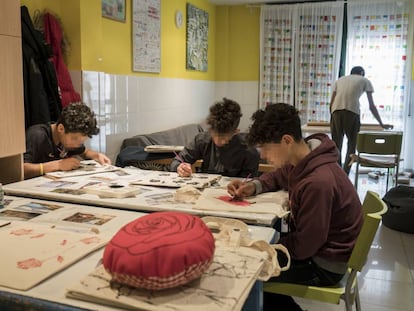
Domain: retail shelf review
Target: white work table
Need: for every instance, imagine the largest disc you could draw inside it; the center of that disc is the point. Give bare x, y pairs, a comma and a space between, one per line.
150, 198
52, 290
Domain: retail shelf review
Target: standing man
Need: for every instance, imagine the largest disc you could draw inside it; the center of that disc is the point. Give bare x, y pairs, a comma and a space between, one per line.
345, 111
60, 146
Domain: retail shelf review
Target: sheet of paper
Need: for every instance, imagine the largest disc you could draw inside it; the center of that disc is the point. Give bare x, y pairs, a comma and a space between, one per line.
224, 286
216, 199
39, 251
170, 179
87, 167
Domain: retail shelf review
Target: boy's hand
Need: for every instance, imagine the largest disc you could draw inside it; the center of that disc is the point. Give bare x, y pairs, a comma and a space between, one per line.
184, 170
239, 189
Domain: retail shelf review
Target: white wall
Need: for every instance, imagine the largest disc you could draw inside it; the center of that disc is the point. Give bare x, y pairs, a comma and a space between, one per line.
245, 93
130, 105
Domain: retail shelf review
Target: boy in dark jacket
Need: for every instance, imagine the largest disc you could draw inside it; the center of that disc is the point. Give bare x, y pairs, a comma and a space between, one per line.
326, 214
222, 148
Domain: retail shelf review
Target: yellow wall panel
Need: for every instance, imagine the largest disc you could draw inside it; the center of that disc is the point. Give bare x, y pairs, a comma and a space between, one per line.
238, 43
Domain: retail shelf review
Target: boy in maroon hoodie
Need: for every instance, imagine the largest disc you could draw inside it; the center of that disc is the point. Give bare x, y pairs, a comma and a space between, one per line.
326, 214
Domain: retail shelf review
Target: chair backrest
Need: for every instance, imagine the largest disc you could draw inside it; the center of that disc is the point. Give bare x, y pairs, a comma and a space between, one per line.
379, 142
373, 207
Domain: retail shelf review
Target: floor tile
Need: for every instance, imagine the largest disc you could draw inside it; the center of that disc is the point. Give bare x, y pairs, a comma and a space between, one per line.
387, 280
387, 293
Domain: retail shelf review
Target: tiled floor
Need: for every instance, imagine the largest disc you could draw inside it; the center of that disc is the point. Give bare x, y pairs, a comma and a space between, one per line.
387, 281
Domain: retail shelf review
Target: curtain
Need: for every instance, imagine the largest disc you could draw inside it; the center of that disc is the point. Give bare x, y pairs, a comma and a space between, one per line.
300, 53
277, 53
377, 41
318, 52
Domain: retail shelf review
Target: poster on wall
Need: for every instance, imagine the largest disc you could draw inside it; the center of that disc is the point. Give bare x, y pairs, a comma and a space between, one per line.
197, 38
114, 9
146, 32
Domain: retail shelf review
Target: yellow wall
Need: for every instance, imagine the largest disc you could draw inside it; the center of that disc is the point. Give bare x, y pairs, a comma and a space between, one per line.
101, 44
173, 45
237, 43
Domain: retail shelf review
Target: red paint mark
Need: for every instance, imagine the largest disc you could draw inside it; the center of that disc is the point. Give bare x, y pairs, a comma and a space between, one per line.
19, 232
64, 242
40, 235
29, 263
228, 199
59, 258
90, 240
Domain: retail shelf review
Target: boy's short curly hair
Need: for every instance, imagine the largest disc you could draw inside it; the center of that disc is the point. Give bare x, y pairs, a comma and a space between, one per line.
224, 116
271, 123
78, 118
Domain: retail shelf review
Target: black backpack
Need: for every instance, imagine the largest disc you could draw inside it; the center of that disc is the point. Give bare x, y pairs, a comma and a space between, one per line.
400, 214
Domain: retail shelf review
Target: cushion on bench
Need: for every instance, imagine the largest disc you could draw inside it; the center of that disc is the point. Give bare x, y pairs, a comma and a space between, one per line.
178, 136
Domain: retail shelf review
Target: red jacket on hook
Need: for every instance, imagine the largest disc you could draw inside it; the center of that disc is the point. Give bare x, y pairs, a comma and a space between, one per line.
53, 36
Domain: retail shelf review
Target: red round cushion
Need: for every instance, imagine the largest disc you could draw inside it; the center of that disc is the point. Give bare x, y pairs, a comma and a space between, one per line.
160, 250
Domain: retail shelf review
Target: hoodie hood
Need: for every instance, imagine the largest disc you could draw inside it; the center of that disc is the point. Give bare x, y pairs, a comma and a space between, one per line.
323, 151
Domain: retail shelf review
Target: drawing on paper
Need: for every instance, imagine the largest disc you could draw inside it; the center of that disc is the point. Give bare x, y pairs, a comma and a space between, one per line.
87, 167
37, 207
40, 251
87, 218
159, 198
235, 269
56, 184
69, 191
18, 215
216, 199
172, 180
228, 199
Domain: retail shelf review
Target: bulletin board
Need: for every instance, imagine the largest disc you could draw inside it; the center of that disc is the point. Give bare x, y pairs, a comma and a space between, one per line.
146, 32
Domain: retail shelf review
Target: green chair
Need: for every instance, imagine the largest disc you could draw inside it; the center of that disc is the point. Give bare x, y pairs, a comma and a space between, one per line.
378, 149
373, 207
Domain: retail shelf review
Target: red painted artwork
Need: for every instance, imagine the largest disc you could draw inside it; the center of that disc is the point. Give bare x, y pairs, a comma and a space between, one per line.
29, 263
40, 235
91, 240
229, 199
19, 232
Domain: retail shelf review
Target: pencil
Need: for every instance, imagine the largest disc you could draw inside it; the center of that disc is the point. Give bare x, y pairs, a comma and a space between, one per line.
178, 157
245, 180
